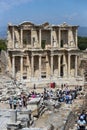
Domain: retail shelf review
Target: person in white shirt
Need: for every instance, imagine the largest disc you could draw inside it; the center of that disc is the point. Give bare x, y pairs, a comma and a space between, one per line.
81, 123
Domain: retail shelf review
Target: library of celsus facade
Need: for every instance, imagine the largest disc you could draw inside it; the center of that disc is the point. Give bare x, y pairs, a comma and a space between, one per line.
44, 53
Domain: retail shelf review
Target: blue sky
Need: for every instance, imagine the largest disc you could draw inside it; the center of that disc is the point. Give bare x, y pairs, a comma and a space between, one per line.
73, 12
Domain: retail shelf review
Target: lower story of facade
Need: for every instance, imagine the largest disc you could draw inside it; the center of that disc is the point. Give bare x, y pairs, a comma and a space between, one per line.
45, 67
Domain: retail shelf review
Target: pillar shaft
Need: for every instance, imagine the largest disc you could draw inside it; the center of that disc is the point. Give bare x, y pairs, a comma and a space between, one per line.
51, 65
51, 39
59, 37
21, 66
69, 62
64, 65
27, 66
32, 66
13, 66
21, 38
69, 37
31, 39
40, 66
59, 56
76, 66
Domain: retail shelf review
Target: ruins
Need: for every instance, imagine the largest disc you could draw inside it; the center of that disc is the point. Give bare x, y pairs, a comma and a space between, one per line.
44, 53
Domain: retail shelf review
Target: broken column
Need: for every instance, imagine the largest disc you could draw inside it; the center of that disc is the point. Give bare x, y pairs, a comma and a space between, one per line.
13, 116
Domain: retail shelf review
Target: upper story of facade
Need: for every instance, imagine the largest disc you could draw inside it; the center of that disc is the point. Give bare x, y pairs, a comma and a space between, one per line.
31, 36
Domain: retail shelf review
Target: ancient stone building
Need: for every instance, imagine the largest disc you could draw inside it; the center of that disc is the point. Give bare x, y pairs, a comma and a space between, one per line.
44, 53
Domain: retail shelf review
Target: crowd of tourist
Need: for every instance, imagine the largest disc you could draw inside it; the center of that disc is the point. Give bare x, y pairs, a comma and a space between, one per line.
64, 94
19, 102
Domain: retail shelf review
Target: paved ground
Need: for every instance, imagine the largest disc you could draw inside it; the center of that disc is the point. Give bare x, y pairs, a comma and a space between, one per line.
4, 119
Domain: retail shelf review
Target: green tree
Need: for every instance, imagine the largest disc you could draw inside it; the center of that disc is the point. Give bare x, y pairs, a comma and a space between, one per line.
3, 45
82, 42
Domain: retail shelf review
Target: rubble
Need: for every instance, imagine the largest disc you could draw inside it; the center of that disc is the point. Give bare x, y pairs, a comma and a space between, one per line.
8, 88
51, 119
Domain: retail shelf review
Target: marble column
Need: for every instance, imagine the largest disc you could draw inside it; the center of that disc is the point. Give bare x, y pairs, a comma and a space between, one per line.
31, 39
27, 66
13, 66
51, 39
69, 62
75, 65
69, 37
40, 66
40, 38
59, 57
21, 66
59, 35
64, 65
32, 66
13, 37
21, 38
47, 67
29, 70
51, 65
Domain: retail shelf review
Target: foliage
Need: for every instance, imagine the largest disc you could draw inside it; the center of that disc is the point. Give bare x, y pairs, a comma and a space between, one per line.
82, 42
3, 45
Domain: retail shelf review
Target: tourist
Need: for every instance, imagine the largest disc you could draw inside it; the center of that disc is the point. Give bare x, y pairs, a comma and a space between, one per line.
24, 101
15, 102
45, 95
84, 115
20, 103
10, 102
70, 98
81, 123
67, 98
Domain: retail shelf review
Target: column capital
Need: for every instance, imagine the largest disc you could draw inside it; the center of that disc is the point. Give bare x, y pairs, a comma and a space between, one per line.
70, 55
32, 55
59, 55
40, 55
21, 29
21, 56
13, 56
52, 55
